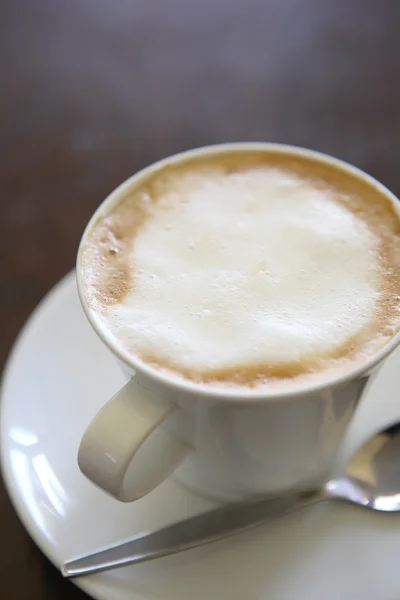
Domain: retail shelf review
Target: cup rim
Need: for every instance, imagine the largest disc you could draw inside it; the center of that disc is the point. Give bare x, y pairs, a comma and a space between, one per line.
176, 384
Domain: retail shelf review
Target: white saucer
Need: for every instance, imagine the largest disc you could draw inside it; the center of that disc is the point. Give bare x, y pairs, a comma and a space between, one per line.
58, 375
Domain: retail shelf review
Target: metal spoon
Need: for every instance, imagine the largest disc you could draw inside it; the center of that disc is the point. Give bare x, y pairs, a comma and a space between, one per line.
372, 479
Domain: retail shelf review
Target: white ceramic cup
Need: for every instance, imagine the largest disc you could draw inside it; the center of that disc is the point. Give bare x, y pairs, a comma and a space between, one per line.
225, 444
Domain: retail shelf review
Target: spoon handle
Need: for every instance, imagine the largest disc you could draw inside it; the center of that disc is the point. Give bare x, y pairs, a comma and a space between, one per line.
189, 533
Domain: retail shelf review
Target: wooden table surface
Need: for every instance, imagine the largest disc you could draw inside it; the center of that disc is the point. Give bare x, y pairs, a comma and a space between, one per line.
92, 90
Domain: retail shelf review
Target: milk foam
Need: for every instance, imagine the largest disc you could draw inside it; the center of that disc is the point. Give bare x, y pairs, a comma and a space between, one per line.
239, 269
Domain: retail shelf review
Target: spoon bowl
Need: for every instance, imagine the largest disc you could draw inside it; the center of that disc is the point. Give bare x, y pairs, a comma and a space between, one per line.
372, 476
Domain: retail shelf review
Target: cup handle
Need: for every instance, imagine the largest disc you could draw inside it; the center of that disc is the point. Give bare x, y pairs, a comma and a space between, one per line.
124, 451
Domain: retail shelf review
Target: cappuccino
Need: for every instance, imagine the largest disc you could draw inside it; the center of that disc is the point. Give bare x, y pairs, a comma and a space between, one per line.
246, 268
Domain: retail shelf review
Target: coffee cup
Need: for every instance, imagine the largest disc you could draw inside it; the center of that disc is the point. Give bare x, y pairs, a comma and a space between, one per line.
250, 394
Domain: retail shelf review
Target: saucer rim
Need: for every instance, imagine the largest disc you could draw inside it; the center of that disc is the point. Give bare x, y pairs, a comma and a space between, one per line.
27, 521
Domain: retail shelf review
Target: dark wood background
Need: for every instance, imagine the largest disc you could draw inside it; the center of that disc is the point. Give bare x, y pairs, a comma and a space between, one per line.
92, 90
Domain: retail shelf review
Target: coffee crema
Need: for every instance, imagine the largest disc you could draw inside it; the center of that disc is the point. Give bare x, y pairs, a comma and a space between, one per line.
247, 268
